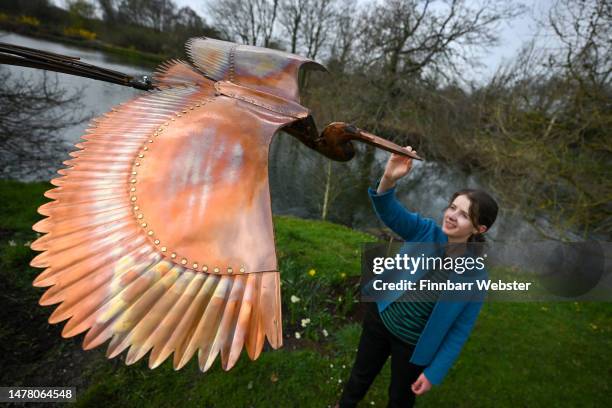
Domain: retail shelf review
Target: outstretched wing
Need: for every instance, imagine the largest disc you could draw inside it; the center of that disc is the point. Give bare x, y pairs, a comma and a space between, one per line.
159, 236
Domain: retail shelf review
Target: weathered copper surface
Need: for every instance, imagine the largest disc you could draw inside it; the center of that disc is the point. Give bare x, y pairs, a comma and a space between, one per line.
159, 236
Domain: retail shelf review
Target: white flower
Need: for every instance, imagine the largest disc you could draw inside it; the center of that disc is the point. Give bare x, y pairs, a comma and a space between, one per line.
371, 402
305, 322
325, 333
298, 335
27, 243
12, 243
339, 380
331, 366
343, 366
294, 299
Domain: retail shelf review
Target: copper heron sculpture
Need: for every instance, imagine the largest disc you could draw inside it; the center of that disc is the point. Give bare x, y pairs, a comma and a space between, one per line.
159, 235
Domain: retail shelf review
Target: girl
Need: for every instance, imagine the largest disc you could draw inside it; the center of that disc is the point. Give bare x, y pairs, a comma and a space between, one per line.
423, 338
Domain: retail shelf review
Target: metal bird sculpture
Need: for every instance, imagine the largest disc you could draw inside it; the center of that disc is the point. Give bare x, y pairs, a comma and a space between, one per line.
159, 237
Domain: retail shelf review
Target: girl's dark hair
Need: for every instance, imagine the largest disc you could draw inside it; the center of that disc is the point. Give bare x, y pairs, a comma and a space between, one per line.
483, 210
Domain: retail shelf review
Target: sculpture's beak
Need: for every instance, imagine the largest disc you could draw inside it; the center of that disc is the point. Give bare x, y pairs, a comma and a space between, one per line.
369, 138
361, 135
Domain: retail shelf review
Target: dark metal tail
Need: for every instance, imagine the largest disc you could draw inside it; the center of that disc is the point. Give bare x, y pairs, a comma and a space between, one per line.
29, 57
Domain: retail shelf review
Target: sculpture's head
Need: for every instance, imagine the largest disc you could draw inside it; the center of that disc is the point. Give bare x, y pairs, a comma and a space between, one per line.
335, 142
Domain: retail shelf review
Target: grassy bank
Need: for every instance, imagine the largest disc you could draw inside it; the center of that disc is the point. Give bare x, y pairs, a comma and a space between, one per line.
127, 55
526, 354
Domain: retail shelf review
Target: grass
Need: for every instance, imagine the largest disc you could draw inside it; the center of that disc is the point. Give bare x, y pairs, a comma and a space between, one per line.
19, 204
526, 354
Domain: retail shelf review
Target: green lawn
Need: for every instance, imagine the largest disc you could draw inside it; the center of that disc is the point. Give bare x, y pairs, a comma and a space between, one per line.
520, 354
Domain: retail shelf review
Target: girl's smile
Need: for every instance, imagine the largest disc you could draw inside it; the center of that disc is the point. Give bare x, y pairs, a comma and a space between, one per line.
449, 224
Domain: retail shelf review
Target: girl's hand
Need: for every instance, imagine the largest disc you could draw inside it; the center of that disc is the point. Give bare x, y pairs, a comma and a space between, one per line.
421, 385
398, 166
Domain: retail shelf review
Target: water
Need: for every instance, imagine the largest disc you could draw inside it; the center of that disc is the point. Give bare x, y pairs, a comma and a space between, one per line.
297, 174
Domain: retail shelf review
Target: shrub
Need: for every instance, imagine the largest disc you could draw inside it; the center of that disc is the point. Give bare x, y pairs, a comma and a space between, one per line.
79, 33
29, 20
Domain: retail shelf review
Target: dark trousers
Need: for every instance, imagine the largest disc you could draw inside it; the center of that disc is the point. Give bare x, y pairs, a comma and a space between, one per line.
375, 345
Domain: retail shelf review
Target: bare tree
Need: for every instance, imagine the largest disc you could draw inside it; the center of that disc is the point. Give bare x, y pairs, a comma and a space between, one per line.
318, 18
81, 8
156, 14
343, 35
249, 21
189, 19
585, 30
308, 23
408, 43
32, 116
409, 36
109, 9
290, 17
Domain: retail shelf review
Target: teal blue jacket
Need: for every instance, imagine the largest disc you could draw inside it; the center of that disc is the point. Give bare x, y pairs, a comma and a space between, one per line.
451, 322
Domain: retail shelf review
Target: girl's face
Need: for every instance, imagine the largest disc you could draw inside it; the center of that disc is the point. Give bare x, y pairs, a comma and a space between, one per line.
457, 224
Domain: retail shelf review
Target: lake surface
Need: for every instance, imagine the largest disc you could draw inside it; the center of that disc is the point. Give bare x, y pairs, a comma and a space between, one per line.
298, 175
